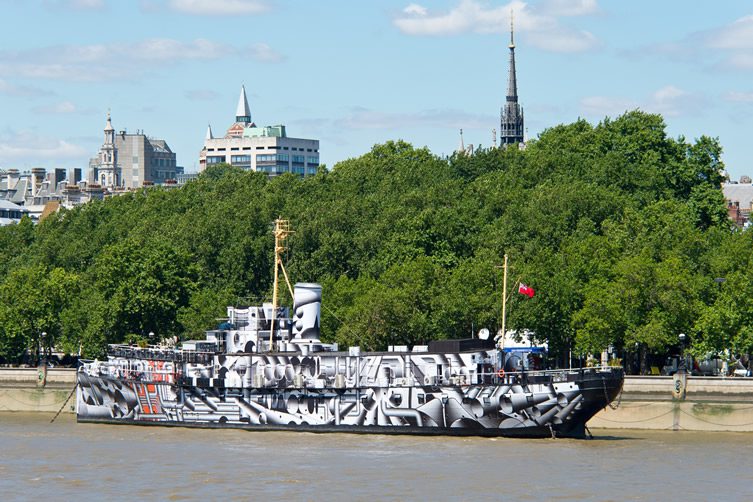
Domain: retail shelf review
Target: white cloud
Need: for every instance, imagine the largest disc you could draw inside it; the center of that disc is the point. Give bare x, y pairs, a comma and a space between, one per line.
601, 106
87, 4
539, 25
468, 16
738, 97
110, 61
29, 148
738, 61
727, 47
364, 118
167, 50
78, 5
563, 40
415, 10
264, 53
10, 89
58, 108
219, 7
570, 7
738, 35
670, 101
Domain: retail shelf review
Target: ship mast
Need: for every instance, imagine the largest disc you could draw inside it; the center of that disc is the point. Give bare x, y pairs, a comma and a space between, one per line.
282, 231
504, 304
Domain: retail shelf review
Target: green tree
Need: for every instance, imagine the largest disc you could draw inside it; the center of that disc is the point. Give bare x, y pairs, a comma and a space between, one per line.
33, 299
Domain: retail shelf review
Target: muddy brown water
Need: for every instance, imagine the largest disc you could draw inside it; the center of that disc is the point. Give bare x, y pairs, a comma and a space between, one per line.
66, 460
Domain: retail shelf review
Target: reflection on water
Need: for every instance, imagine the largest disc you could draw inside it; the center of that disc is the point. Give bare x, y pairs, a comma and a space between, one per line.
66, 459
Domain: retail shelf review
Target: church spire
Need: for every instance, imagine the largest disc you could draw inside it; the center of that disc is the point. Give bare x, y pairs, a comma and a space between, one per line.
243, 112
209, 132
512, 84
511, 114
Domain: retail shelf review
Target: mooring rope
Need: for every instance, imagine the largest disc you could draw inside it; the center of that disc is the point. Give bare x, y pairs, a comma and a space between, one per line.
66, 402
636, 421
695, 417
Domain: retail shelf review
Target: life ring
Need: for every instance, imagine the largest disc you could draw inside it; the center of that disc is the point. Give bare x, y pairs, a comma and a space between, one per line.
501, 373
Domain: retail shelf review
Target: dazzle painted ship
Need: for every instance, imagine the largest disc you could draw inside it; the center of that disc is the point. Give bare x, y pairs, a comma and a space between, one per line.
267, 369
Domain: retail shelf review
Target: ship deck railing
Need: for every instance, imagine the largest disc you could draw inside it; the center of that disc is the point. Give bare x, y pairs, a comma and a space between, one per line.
133, 369
143, 366
160, 353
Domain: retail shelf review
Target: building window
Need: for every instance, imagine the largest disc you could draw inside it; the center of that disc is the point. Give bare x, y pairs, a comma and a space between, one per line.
298, 170
215, 159
234, 149
313, 161
240, 159
280, 158
299, 159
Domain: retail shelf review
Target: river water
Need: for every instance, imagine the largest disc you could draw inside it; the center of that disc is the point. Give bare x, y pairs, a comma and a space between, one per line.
64, 460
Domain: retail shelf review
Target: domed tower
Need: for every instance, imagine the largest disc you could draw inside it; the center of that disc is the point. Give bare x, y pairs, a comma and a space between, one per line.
108, 172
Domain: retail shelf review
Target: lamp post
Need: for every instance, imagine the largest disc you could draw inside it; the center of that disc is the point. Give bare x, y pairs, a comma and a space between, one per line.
42, 336
681, 366
680, 378
42, 363
725, 364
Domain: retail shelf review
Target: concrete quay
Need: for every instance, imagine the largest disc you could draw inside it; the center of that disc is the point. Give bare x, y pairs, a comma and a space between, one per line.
21, 390
711, 404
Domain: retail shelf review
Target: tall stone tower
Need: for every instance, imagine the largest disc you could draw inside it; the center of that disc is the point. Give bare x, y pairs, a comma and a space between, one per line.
511, 115
108, 171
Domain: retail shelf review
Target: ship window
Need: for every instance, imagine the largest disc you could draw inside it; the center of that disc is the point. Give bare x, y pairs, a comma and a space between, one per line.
421, 398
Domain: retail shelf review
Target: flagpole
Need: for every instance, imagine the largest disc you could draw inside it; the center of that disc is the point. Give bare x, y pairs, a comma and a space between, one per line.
504, 303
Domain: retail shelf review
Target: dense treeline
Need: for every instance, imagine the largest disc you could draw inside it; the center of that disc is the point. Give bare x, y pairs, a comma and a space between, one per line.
621, 230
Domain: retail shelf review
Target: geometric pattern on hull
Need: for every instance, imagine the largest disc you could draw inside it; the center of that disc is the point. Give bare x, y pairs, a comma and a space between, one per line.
376, 392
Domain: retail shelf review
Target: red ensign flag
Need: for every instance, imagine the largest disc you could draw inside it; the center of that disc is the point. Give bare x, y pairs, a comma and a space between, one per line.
526, 290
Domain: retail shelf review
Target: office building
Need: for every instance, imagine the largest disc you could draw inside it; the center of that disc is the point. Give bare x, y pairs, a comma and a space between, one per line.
266, 149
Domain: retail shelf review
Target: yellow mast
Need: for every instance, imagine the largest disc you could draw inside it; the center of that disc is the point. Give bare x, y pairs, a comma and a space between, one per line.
282, 231
504, 304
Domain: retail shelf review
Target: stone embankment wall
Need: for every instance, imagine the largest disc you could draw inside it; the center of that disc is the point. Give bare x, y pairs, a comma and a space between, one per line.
710, 404
21, 389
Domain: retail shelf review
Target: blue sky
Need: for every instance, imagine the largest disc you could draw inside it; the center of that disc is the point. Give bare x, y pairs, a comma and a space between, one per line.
353, 73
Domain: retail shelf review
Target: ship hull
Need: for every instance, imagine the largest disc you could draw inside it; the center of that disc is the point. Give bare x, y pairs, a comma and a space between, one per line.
558, 405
